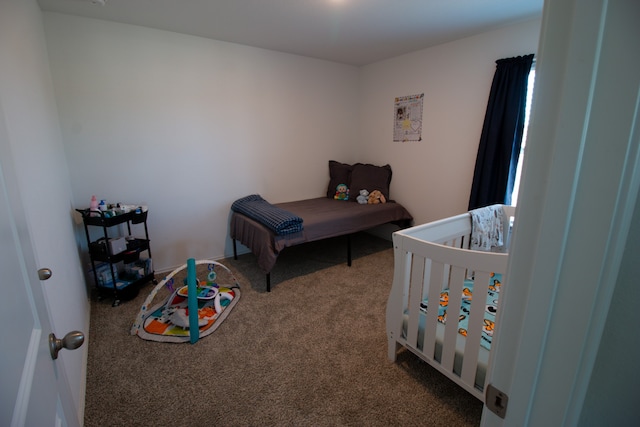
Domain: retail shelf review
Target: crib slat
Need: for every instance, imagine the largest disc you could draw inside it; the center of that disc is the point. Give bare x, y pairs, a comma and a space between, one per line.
431, 288
415, 297
406, 271
497, 308
474, 327
453, 310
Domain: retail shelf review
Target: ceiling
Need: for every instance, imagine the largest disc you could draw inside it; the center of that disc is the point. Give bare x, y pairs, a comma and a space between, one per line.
356, 32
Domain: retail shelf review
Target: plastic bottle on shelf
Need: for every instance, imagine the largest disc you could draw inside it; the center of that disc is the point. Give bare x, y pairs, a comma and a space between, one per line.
93, 205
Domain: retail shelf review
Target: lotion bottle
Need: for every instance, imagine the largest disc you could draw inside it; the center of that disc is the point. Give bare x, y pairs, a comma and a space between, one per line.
93, 206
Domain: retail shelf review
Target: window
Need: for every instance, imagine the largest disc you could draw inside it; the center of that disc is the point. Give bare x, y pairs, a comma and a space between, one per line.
516, 185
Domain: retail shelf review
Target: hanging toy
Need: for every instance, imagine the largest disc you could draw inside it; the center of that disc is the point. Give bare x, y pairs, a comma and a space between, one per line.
211, 277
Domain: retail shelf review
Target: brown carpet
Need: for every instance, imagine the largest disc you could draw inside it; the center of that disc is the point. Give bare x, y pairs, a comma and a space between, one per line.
312, 352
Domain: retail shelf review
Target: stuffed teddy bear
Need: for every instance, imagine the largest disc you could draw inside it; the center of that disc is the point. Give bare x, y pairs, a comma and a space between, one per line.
342, 192
376, 197
363, 198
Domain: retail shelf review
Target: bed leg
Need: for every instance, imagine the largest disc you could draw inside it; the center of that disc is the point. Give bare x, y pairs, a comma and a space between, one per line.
349, 250
235, 250
268, 277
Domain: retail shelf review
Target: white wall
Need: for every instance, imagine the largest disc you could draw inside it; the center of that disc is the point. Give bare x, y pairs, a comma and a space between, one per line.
432, 178
187, 125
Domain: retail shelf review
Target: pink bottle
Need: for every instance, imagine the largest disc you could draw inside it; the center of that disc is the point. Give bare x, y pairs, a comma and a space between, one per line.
93, 206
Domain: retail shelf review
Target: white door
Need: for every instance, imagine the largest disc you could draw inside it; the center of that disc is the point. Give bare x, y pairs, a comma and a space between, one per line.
32, 146
33, 387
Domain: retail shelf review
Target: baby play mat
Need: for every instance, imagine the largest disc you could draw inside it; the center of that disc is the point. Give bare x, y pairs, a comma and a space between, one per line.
193, 310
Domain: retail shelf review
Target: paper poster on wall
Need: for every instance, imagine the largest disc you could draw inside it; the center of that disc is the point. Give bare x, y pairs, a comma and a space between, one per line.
407, 123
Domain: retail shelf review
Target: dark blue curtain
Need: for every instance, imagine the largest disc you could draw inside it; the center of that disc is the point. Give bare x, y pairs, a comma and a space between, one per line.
501, 136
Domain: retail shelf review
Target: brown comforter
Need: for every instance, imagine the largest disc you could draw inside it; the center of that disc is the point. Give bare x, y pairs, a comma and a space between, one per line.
322, 218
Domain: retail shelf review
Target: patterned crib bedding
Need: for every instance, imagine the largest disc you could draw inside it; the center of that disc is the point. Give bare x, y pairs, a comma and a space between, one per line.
490, 305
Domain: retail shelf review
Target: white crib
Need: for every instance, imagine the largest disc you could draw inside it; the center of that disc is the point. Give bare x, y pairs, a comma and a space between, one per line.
430, 259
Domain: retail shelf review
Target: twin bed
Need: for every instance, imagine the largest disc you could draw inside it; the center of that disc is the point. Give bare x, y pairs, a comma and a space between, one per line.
434, 271
322, 217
